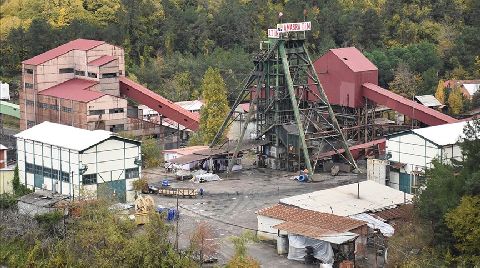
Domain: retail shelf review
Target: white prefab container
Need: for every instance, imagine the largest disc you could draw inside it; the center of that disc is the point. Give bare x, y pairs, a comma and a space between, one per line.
377, 170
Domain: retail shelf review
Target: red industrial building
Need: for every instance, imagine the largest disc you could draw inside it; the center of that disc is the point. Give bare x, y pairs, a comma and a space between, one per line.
82, 83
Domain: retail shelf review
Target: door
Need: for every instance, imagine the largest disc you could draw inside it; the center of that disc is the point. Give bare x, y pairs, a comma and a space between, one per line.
113, 190
404, 182
38, 181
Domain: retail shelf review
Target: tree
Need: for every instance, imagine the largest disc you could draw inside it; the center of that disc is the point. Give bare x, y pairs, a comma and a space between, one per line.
16, 181
240, 258
476, 100
440, 92
202, 241
405, 83
215, 107
455, 101
464, 221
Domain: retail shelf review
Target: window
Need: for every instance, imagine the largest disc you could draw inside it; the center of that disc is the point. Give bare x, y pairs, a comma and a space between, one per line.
117, 128
38, 170
65, 176
89, 179
47, 172
29, 102
80, 73
109, 75
30, 124
29, 168
54, 107
116, 111
96, 112
28, 71
120, 72
43, 105
28, 85
66, 109
66, 70
131, 173
92, 75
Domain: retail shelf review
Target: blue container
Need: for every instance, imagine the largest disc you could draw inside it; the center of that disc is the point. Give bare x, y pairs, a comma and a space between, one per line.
165, 183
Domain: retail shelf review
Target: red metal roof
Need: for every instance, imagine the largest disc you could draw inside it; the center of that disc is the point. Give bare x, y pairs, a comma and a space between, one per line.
405, 106
321, 220
158, 103
73, 89
102, 60
78, 44
354, 59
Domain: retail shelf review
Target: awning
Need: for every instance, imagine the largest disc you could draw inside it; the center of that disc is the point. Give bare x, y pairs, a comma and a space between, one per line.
188, 159
316, 232
374, 223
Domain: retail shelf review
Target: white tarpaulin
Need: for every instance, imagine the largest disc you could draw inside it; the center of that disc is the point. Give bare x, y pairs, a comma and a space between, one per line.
206, 177
322, 250
374, 223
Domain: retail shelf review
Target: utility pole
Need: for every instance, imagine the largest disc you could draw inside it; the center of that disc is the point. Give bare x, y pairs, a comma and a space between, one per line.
176, 229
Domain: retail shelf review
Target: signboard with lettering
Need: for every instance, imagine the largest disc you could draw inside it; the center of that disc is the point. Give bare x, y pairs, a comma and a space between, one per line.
294, 27
273, 33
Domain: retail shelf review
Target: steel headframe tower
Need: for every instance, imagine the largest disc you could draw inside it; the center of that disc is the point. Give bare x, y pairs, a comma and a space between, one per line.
291, 109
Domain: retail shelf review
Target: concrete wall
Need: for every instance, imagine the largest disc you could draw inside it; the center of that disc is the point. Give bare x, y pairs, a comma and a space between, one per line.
265, 227
109, 119
6, 180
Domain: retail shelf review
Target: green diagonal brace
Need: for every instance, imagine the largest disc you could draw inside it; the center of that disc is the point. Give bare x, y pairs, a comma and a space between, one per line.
293, 98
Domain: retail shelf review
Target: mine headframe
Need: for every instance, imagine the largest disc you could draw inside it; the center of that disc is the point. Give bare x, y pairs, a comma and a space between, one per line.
288, 103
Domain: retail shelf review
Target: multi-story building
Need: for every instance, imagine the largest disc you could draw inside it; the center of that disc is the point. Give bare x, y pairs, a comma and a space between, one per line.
75, 84
78, 163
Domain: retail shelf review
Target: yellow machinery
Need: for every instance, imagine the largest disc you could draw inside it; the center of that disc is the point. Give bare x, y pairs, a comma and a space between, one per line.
143, 206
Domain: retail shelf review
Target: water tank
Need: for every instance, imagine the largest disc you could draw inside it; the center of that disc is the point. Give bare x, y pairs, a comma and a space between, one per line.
282, 244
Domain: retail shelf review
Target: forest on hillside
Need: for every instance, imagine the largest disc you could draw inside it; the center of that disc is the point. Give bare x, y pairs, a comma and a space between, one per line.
170, 44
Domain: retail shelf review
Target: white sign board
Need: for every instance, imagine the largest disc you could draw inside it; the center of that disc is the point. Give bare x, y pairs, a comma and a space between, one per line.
273, 33
4, 91
294, 27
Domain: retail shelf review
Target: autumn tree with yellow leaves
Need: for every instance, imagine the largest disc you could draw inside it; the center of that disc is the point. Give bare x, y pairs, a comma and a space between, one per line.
455, 101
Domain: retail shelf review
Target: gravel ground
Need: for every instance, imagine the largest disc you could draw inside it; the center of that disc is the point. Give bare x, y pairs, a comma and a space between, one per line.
229, 206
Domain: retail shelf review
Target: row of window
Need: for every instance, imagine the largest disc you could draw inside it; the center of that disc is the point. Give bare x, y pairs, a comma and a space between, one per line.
110, 111
49, 106
47, 172
82, 73
130, 173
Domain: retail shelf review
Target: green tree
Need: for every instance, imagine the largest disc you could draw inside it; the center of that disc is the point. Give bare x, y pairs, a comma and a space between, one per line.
240, 258
440, 92
464, 221
16, 181
455, 101
405, 83
216, 107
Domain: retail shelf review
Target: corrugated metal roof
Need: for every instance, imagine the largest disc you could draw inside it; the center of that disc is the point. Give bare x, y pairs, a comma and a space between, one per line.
352, 148
471, 88
74, 89
325, 221
78, 44
343, 200
402, 211
354, 59
186, 150
442, 134
102, 60
68, 137
3, 147
193, 105
428, 100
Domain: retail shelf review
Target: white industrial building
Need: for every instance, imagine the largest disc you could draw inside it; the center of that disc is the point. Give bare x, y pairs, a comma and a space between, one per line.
78, 163
413, 151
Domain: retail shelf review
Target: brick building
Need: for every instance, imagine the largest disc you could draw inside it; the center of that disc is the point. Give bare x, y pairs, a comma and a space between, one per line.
75, 84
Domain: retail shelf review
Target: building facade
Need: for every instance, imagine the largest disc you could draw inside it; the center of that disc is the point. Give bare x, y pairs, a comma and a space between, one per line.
413, 151
75, 84
78, 163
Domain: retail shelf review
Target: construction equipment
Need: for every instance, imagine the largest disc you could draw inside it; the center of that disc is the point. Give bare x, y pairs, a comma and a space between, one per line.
144, 205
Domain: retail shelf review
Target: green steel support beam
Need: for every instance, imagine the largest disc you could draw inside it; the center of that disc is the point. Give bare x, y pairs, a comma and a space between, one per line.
293, 99
331, 113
